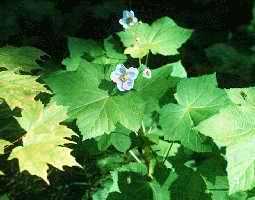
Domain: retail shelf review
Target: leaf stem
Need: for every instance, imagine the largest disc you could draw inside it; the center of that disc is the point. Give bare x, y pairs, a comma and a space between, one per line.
140, 63
147, 58
134, 156
168, 151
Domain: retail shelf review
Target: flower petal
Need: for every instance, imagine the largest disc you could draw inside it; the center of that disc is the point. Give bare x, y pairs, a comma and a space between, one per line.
121, 21
120, 85
120, 68
128, 85
131, 13
126, 14
132, 73
115, 76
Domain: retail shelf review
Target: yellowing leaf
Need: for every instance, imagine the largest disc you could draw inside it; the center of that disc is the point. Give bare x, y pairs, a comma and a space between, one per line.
17, 90
23, 58
43, 140
3, 144
162, 37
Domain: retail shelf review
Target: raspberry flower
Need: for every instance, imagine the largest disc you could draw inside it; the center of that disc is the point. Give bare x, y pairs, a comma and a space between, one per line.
128, 19
123, 77
147, 73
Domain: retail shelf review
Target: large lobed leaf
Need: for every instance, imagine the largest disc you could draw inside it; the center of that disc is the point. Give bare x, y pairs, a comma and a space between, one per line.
43, 140
96, 111
234, 128
164, 37
18, 90
198, 98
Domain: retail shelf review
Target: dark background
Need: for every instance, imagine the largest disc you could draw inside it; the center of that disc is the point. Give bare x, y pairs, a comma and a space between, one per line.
46, 24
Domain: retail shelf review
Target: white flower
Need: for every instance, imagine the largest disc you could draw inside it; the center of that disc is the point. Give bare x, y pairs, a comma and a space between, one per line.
147, 73
123, 77
128, 19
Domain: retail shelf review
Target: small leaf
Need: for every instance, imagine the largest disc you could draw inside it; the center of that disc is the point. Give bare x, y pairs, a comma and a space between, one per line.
79, 49
121, 140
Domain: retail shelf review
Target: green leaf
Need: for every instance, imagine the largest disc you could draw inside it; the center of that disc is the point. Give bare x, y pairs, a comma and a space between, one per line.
110, 162
4, 197
43, 140
20, 58
93, 52
120, 139
178, 70
103, 192
162, 148
234, 128
18, 90
201, 96
177, 125
162, 37
77, 48
189, 185
242, 95
96, 111
112, 53
155, 87
213, 172
198, 99
133, 184
103, 142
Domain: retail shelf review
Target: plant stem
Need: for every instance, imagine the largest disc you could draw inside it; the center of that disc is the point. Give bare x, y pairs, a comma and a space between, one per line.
147, 58
140, 63
134, 156
168, 151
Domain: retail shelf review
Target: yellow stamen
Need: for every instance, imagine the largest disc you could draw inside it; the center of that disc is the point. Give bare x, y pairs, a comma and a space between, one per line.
124, 77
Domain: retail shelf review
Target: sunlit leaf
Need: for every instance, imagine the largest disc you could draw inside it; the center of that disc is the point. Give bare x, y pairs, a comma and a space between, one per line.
43, 141
164, 37
18, 90
20, 58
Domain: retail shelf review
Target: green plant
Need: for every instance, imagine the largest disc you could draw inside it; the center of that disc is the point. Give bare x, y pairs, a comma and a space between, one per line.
145, 131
